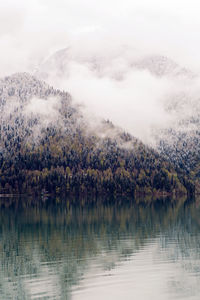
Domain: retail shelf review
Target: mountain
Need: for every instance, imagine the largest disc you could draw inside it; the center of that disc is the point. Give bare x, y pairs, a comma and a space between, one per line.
47, 145
116, 66
177, 140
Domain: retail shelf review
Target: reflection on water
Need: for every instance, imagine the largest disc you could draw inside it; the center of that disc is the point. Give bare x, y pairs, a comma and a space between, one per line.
99, 251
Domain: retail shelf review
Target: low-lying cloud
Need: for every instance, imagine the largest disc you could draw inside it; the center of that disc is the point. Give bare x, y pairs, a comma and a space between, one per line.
132, 103
105, 40
116, 88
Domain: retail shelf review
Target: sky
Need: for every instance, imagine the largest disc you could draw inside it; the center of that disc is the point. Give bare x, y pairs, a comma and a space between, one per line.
32, 30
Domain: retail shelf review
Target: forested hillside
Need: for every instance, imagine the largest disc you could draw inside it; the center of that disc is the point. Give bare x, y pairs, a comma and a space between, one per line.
47, 146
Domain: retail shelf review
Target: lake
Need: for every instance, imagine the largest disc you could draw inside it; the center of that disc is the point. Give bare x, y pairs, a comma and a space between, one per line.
54, 249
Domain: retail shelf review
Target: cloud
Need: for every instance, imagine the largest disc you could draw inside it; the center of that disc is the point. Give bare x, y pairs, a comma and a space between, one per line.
47, 109
112, 34
133, 103
32, 30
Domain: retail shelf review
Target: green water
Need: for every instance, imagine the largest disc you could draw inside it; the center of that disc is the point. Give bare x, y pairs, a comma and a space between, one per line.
55, 250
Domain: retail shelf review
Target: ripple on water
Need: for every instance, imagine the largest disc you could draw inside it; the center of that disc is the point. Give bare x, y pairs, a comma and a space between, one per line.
100, 253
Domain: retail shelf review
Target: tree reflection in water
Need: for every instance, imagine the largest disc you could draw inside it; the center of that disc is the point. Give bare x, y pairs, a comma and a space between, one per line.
46, 248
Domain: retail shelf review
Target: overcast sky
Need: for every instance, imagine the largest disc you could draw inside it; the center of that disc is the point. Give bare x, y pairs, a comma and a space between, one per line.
30, 30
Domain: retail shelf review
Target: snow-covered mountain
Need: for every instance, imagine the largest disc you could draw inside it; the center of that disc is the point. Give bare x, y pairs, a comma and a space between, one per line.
32, 111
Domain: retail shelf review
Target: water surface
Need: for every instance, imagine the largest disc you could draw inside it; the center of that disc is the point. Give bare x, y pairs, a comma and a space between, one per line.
56, 250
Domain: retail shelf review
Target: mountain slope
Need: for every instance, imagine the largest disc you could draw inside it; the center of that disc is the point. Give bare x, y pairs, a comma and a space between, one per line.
46, 144
179, 141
